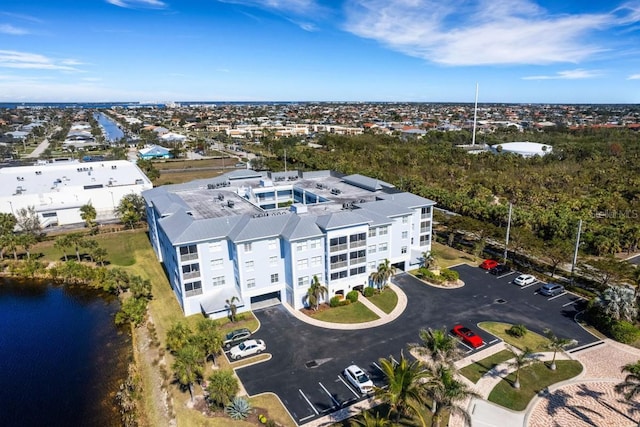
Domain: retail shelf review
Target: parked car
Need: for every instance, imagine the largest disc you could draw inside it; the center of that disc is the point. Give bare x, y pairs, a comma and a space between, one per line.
236, 337
468, 336
488, 264
551, 289
500, 269
247, 348
524, 280
358, 378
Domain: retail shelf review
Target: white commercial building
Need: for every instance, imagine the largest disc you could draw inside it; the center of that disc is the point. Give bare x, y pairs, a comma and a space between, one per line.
264, 236
57, 190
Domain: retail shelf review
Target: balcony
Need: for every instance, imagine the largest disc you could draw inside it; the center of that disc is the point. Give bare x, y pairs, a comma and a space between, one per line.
188, 257
340, 264
338, 248
358, 243
191, 275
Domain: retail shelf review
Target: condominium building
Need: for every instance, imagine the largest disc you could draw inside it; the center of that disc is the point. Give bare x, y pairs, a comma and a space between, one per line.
246, 236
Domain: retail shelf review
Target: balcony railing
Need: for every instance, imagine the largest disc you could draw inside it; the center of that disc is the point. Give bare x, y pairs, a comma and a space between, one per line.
358, 243
188, 257
361, 260
191, 275
193, 292
337, 248
340, 264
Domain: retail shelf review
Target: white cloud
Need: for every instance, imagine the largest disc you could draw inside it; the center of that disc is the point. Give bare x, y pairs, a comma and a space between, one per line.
481, 32
21, 17
134, 4
11, 30
578, 73
299, 7
634, 77
26, 60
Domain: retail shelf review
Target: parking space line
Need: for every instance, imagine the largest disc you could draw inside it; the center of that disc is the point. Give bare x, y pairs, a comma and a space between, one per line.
494, 341
572, 302
348, 386
531, 284
506, 274
309, 402
329, 394
557, 296
302, 420
377, 366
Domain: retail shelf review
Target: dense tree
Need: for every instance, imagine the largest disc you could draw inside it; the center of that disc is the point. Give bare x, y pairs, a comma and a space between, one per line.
28, 220
188, 366
619, 303
88, 215
209, 338
222, 387
178, 336
132, 209
447, 393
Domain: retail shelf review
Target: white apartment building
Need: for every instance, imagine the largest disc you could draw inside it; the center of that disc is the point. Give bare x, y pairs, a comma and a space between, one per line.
260, 236
57, 190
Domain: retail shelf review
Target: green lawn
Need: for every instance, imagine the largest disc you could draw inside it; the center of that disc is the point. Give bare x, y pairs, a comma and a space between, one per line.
535, 342
352, 313
533, 379
385, 301
476, 370
447, 256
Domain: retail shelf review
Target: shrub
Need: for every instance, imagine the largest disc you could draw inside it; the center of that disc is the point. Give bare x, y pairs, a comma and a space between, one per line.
427, 274
345, 302
238, 409
223, 386
369, 291
334, 301
449, 275
517, 331
624, 332
270, 423
352, 296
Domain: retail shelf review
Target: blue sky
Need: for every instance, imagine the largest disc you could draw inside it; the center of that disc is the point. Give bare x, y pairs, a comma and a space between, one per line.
534, 51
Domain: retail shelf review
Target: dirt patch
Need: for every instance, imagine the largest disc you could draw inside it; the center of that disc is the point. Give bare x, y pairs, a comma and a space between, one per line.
200, 405
311, 312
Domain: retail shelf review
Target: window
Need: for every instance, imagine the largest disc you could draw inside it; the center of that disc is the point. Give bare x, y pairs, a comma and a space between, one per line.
339, 275
314, 244
424, 227
216, 264
218, 281
248, 265
425, 240
273, 244
382, 247
190, 271
188, 252
359, 239
405, 234
373, 266
372, 249
215, 246
247, 247
49, 214
383, 230
403, 250
357, 257
303, 281
316, 261
357, 270
338, 261
405, 219
338, 244
425, 212
301, 246
251, 283
274, 278
273, 261
303, 263
193, 288
372, 232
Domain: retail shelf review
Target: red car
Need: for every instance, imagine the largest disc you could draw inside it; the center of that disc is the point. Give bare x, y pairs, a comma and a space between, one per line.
488, 264
468, 336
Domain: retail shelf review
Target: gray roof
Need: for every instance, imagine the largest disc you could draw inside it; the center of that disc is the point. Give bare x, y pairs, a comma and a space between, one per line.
386, 208
340, 220
409, 200
216, 301
301, 227
366, 182
258, 228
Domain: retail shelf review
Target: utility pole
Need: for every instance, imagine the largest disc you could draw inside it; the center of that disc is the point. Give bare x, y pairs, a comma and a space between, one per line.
475, 118
575, 253
506, 242
285, 161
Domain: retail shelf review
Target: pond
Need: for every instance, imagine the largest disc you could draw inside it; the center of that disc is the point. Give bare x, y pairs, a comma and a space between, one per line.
61, 356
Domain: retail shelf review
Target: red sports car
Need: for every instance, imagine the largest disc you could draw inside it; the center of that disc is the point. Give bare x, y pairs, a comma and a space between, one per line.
488, 264
468, 336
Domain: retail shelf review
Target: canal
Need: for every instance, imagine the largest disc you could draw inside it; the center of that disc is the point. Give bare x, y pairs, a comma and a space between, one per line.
112, 131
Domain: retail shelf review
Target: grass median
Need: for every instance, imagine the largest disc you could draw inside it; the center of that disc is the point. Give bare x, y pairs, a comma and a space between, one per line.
352, 313
385, 300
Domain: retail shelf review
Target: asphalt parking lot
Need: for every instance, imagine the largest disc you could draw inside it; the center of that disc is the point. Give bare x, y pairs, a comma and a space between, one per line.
305, 370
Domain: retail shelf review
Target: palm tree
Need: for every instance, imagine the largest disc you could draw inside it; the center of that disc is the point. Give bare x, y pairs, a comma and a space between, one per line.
187, 366
316, 292
630, 387
428, 260
178, 336
383, 274
447, 393
209, 338
366, 419
62, 242
75, 240
520, 360
619, 302
556, 344
88, 214
438, 345
405, 391
26, 240
233, 308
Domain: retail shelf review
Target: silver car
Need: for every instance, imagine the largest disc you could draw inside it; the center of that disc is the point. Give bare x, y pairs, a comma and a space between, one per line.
551, 289
358, 379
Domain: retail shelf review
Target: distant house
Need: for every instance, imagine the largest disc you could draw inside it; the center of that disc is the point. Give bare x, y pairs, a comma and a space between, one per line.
173, 137
154, 152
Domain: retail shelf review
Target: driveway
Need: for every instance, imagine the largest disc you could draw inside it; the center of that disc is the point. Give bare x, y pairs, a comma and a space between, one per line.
307, 360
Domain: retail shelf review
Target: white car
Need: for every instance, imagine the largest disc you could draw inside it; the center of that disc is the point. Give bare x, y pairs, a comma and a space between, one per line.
247, 348
524, 280
358, 378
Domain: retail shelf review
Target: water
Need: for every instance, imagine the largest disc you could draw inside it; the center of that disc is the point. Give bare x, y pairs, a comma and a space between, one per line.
61, 356
111, 129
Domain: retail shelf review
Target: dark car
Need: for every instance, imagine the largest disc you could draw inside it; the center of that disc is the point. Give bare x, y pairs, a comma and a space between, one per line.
499, 269
235, 337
